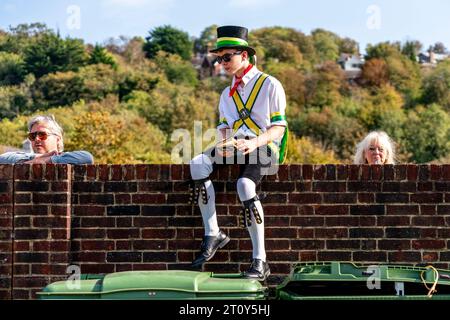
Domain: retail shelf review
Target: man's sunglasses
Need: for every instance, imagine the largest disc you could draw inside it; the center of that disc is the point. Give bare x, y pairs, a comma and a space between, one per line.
41, 134
227, 57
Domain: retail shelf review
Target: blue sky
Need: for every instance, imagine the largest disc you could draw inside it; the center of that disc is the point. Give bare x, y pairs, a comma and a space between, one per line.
366, 21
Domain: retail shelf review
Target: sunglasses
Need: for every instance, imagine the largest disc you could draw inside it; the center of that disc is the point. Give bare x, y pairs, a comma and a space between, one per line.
41, 134
227, 57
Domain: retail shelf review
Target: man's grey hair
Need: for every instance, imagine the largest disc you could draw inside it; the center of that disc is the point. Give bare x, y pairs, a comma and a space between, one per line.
52, 125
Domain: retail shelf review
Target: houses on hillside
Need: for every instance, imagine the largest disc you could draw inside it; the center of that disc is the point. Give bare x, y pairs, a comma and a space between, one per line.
352, 64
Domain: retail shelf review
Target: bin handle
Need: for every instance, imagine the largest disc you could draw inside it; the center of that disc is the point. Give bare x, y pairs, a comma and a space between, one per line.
368, 273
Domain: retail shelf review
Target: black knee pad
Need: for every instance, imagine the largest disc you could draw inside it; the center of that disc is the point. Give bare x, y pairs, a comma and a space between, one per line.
197, 187
250, 210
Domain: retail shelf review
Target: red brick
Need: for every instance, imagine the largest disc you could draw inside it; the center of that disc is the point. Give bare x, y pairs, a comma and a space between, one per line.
424, 172
377, 172
91, 172
446, 172
402, 209
283, 173
342, 172
295, 171
331, 233
158, 234
103, 172
308, 221
435, 172
50, 172
280, 210
332, 210
366, 198
302, 198
428, 210
427, 198
64, 171
366, 172
320, 172
6, 171
428, 221
393, 221
176, 172
307, 244
307, 171
128, 172
22, 171
400, 172
428, 244
412, 172
389, 172
390, 245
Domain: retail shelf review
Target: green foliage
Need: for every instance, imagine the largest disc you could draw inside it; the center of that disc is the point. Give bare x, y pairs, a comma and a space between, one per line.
13, 132
177, 71
101, 55
429, 132
326, 44
93, 82
173, 107
168, 39
303, 150
14, 100
325, 86
207, 39
12, 69
437, 86
50, 53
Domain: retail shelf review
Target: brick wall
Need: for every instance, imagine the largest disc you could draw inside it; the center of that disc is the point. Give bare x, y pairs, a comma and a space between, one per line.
109, 218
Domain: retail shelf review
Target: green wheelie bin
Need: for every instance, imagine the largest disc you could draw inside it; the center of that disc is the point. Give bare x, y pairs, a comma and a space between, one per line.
156, 285
348, 281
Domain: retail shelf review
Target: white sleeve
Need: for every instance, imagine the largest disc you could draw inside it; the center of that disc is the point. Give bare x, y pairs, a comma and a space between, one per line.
223, 124
277, 103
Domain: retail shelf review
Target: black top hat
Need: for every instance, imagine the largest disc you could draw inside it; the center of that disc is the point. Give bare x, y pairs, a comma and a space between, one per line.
233, 37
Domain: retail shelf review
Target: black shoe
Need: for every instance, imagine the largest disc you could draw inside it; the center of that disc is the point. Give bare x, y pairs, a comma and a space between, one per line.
209, 247
259, 270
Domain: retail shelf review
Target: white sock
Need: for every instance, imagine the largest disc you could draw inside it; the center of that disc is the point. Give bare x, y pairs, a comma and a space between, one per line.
247, 190
201, 168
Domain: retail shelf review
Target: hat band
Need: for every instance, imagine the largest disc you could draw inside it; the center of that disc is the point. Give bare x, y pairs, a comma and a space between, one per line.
228, 41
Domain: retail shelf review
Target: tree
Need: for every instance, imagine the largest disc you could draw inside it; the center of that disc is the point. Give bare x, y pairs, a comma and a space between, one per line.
207, 39
304, 150
375, 73
324, 86
117, 138
49, 53
14, 100
101, 55
20, 37
168, 39
91, 83
327, 44
177, 70
12, 69
436, 87
347, 45
439, 48
428, 130
411, 49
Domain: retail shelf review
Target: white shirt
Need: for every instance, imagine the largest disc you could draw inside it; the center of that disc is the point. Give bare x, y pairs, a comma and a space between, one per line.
270, 103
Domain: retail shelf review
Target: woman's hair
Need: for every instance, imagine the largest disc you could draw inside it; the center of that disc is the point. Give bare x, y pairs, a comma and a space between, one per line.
52, 125
383, 139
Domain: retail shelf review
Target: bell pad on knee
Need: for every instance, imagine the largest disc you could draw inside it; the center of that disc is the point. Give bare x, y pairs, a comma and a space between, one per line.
197, 187
250, 210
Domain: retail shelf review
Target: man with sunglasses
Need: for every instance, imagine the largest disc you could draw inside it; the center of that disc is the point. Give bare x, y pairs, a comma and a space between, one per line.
252, 127
46, 137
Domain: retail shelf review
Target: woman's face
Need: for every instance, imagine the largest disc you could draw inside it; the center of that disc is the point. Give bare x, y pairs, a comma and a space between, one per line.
376, 153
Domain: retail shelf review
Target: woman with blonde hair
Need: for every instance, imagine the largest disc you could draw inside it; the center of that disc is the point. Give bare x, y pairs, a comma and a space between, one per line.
376, 148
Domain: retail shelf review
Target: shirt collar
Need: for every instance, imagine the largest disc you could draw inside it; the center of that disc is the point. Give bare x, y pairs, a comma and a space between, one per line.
249, 76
